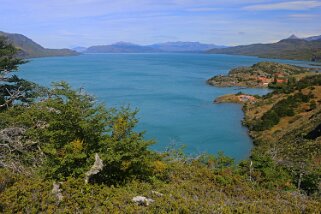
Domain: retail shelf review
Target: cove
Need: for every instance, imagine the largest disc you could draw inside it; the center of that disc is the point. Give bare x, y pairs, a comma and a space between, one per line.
175, 103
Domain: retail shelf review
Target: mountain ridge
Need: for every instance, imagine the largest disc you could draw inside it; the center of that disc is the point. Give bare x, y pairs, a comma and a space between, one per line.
120, 47
126, 47
30, 49
292, 48
181, 46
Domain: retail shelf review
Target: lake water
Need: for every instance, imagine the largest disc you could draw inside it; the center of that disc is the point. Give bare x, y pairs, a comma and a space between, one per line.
175, 103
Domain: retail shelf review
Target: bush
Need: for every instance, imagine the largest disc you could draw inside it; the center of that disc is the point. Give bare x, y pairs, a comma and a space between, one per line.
68, 128
281, 109
267, 173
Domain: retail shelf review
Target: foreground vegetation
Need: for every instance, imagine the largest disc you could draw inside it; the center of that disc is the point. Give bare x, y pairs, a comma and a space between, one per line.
285, 125
61, 152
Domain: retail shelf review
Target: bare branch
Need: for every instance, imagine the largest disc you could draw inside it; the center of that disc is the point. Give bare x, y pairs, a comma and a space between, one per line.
14, 95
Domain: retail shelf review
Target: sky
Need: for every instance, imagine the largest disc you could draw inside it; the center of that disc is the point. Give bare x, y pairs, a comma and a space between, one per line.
71, 23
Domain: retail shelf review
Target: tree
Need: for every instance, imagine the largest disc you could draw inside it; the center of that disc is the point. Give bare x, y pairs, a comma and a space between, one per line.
12, 88
64, 133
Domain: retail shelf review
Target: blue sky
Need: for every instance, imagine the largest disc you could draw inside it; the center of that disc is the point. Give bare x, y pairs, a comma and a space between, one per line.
67, 23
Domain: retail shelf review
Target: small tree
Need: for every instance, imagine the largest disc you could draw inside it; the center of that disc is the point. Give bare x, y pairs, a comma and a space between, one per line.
12, 88
68, 130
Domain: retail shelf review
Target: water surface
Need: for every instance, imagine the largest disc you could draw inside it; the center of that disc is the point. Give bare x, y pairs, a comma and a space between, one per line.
170, 90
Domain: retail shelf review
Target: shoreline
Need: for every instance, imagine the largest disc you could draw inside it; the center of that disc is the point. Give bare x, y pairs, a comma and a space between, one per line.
284, 126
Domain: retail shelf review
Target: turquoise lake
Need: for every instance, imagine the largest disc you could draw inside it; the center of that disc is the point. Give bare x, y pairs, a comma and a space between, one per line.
175, 103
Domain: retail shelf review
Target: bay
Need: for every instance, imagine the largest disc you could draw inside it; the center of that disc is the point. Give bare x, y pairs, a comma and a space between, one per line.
175, 103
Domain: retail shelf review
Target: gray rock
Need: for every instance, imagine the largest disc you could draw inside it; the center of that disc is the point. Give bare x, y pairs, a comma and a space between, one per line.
57, 191
142, 201
95, 169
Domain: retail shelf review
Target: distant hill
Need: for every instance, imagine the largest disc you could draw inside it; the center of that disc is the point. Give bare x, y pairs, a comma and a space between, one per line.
313, 38
121, 47
30, 49
290, 48
124, 47
184, 46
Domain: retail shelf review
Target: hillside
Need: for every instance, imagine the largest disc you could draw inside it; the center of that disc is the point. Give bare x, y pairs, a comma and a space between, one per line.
260, 75
30, 49
291, 48
285, 125
286, 128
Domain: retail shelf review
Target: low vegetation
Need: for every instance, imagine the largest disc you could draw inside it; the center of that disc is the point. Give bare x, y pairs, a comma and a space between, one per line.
61, 152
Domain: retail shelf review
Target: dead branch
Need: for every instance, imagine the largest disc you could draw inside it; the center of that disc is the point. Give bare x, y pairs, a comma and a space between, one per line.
12, 97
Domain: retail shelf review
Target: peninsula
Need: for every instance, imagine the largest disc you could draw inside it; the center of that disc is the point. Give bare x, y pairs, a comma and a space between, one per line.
261, 75
285, 125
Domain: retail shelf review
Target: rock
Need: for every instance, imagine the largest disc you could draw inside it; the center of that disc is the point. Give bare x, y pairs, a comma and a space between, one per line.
57, 191
95, 169
142, 201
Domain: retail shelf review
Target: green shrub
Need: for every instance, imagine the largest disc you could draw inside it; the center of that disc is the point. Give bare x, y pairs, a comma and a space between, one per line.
283, 108
69, 128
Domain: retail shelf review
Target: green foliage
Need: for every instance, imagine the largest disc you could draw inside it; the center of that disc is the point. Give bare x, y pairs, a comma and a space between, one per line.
8, 60
283, 108
191, 188
292, 85
267, 173
69, 129
12, 88
313, 80
125, 152
311, 181
218, 162
7, 179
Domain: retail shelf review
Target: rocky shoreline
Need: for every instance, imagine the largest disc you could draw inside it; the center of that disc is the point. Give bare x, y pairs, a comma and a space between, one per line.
239, 98
285, 126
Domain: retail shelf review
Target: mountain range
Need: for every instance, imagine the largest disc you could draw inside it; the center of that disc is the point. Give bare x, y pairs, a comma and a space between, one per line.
184, 46
125, 47
293, 48
120, 47
30, 49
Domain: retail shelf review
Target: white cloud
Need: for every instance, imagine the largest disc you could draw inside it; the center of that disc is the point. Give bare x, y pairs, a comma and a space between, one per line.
61, 23
303, 16
289, 5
